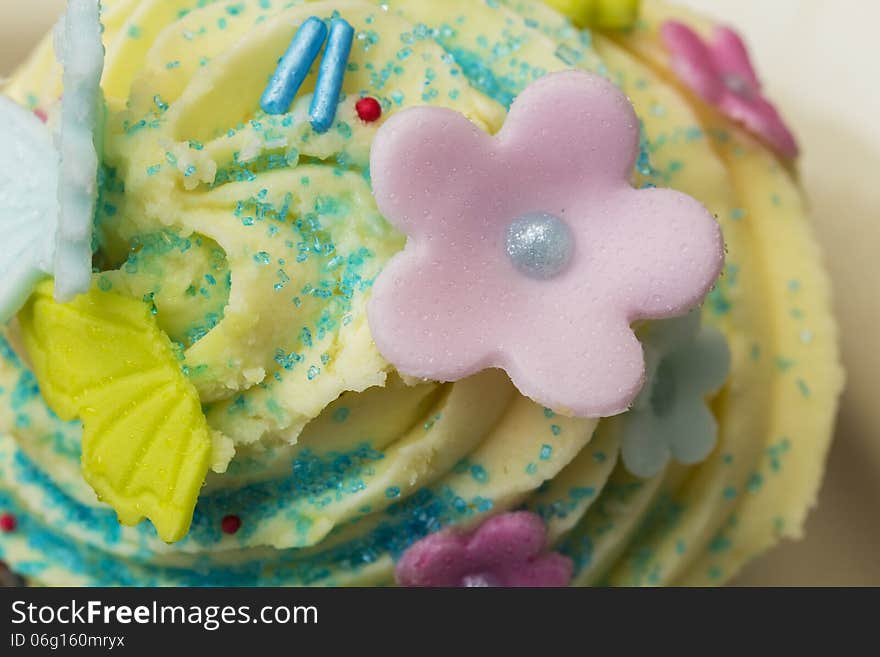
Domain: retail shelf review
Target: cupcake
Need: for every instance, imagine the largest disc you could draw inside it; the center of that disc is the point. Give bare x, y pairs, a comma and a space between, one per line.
472, 293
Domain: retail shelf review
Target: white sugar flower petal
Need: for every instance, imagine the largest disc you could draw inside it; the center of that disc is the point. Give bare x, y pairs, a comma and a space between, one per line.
81, 52
28, 204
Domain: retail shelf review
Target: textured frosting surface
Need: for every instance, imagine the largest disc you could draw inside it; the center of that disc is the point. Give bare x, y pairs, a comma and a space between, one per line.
256, 241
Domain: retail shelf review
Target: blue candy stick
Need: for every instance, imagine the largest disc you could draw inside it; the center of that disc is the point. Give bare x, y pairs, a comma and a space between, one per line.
329, 85
294, 66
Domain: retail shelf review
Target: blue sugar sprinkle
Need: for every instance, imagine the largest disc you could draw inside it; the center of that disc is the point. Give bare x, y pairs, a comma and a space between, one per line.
568, 55
330, 75
546, 451
481, 76
294, 66
718, 301
783, 364
755, 482
391, 492
275, 409
580, 551
582, 492
803, 387
25, 390
287, 361
283, 280
479, 473
7, 353
719, 544
483, 505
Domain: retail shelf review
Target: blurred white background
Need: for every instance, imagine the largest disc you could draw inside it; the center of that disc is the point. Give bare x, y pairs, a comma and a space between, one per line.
820, 60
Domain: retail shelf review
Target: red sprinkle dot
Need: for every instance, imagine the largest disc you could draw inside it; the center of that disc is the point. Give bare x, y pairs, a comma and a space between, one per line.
41, 115
8, 523
230, 524
368, 109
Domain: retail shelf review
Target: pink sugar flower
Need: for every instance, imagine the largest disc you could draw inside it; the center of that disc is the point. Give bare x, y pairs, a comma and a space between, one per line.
721, 73
530, 250
507, 550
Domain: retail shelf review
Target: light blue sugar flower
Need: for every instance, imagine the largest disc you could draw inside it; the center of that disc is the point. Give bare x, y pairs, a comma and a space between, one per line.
685, 364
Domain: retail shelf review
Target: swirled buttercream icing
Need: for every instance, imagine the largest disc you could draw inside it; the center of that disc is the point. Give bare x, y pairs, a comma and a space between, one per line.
254, 242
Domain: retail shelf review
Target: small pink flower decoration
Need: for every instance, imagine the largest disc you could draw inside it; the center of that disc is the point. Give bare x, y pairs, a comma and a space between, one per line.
721, 73
507, 550
530, 251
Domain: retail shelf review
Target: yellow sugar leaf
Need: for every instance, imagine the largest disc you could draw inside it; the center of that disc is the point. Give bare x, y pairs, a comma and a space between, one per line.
603, 14
102, 358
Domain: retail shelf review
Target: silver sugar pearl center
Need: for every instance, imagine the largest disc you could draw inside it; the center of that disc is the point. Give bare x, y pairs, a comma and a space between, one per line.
739, 85
539, 245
